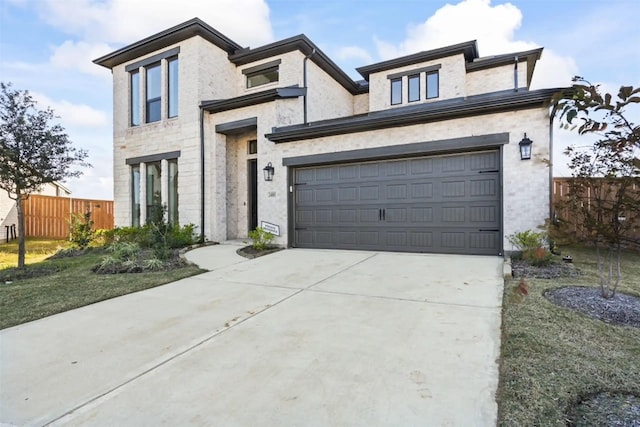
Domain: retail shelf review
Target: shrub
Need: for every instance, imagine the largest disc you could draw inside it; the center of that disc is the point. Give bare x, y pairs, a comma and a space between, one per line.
531, 245
103, 237
81, 230
261, 238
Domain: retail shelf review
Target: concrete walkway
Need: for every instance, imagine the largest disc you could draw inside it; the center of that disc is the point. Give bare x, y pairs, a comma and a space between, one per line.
296, 338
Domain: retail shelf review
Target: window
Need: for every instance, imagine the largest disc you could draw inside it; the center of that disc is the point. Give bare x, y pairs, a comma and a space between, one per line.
262, 77
135, 195
432, 85
154, 194
253, 146
396, 91
153, 93
172, 90
172, 205
414, 88
135, 98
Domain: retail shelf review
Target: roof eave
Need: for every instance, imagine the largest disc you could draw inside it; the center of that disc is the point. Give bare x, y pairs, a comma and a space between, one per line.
375, 122
193, 27
468, 49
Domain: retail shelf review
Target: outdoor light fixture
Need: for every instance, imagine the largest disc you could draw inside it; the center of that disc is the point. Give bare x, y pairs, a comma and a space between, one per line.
525, 148
268, 172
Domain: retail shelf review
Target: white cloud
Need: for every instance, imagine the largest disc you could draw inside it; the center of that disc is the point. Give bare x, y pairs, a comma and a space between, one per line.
73, 115
355, 53
493, 27
79, 56
127, 21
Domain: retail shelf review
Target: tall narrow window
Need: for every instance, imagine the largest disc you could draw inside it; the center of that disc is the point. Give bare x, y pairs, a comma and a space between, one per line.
172, 79
135, 195
396, 91
172, 205
432, 85
135, 98
153, 93
154, 195
414, 88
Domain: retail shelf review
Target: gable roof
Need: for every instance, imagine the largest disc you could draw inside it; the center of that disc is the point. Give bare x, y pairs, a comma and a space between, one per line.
186, 30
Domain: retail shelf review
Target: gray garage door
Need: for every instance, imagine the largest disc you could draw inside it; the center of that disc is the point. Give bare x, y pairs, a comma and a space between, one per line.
446, 204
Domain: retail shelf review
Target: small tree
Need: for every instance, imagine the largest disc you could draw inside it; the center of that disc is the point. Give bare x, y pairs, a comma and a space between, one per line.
33, 151
603, 205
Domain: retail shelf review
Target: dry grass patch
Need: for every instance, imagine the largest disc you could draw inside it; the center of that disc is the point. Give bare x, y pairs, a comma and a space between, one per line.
553, 357
37, 250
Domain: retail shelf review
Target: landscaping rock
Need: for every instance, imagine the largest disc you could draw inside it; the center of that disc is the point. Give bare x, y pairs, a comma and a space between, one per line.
623, 309
554, 270
607, 409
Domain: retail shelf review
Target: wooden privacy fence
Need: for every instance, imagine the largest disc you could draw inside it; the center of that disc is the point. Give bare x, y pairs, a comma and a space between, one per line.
561, 188
47, 216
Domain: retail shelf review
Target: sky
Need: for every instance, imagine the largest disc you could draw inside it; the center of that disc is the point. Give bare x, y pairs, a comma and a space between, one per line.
47, 47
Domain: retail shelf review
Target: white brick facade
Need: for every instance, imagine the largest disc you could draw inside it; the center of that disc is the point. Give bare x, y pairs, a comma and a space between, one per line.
211, 76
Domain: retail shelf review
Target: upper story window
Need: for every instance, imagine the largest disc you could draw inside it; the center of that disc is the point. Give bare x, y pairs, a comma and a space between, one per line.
414, 87
396, 91
172, 89
159, 101
432, 84
153, 93
135, 98
429, 76
262, 74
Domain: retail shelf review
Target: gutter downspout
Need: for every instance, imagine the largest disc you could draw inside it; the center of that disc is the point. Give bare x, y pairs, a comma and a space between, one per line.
304, 82
551, 186
202, 174
515, 74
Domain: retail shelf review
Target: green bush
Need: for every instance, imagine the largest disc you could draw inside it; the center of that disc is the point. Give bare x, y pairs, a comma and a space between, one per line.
531, 245
81, 230
104, 237
261, 239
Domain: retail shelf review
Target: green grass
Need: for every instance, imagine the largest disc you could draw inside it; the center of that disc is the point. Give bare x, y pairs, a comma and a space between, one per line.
36, 250
73, 285
553, 357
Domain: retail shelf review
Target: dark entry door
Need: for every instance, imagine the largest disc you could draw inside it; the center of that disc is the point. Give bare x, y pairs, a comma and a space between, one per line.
253, 194
446, 204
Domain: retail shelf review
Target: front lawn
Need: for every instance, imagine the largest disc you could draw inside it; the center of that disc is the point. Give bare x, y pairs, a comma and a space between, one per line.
37, 250
552, 358
71, 284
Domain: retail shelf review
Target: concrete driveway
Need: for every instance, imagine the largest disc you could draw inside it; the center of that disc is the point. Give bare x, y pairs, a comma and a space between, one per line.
296, 338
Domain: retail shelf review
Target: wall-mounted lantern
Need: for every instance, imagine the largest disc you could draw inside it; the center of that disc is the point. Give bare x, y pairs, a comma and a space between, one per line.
268, 172
525, 148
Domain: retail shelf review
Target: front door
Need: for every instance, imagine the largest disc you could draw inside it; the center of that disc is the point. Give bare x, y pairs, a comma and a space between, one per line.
253, 194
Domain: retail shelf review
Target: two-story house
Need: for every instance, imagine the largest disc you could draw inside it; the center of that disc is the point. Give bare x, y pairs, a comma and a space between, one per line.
428, 153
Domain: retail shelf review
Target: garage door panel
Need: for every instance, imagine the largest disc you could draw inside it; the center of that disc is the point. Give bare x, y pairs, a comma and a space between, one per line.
432, 204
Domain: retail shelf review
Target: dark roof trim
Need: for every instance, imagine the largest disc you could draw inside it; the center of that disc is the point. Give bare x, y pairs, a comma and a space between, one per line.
530, 56
416, 71
193, 27
153, 158
468, 49
255, 98
417, 114
152, 59
468, 143
262, 67
237, 126
304, 45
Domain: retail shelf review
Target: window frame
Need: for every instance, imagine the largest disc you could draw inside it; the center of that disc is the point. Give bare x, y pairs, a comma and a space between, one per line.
265, 73
173, 206
134, 98
135, 195
150, 186
397, 91
155, 101
428, 94
173, 94
410, 78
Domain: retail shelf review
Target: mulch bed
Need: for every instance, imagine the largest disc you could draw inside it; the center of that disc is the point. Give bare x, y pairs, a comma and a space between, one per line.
554, 270
622, 309
606, 409
250, 252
